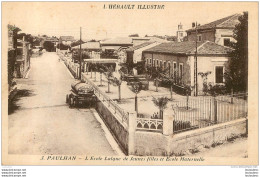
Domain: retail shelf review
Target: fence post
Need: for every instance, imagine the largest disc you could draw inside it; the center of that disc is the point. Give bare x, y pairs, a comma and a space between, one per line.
131, 132
232, 95
215, 104
167, 124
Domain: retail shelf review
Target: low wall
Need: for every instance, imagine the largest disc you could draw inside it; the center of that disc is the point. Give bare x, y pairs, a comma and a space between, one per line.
116, 128
158, 144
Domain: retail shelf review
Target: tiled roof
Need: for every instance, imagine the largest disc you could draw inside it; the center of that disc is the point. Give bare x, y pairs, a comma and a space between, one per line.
89, 45
67, 38
140, 46
227, 22
118, 40
189, 47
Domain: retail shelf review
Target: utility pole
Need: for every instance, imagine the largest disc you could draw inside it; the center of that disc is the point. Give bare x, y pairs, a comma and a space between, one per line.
80, 57
195, 63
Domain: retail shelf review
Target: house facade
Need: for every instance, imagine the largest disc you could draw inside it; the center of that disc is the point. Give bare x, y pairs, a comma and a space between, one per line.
22, 64
134, 54
178, 59
93, 49
66, 40
219, 31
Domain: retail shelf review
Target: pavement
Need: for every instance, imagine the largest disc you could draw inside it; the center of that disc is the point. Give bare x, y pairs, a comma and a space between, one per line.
40, 122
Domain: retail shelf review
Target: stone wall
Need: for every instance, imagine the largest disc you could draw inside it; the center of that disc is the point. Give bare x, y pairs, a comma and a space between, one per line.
157, 144
116, 128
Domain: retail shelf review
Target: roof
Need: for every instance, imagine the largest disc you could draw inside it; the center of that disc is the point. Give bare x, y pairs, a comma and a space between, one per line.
189, 48
67, 38
227, 22
118, 40
140, 46
89, 45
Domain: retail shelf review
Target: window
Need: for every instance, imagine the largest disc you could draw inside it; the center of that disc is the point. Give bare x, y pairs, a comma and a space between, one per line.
150, 61
180, 70
226, 41
219, 73
157, 62
174, 70
199, 38
161, 63
169, 68
181, 34
164, 65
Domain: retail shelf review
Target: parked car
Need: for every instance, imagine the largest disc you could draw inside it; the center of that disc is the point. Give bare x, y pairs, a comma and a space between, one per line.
81, 94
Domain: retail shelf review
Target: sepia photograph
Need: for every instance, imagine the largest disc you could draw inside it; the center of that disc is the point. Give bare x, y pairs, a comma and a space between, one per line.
129, 83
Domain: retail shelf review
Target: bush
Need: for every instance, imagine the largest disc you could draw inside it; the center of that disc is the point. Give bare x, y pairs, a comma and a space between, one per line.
181, 125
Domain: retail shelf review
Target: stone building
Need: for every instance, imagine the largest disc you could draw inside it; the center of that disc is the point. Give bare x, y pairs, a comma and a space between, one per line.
179, 59
219, 31
180, 33
23, 56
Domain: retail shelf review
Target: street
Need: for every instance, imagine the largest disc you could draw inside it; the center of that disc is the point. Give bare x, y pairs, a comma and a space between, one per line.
40, 122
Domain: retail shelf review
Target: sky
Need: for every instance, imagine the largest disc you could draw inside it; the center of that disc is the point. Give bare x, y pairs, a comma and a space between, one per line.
66, 18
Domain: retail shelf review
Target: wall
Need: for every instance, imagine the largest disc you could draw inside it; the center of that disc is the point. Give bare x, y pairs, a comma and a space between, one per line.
116, 128
205, 64
208, 35
157, 144
171, 59
224, 33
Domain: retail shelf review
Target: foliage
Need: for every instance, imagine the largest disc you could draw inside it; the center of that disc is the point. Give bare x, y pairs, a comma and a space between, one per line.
216, 89
109, 54
236, 74
205, 81
134, 35
62, 46
135, 87
73, 44
181, 125
76, 56
161, 102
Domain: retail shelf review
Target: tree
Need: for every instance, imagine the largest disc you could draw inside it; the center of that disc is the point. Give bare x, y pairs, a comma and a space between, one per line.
133, 35
136, 88
118, 82
236, 74
161, 103
109, 74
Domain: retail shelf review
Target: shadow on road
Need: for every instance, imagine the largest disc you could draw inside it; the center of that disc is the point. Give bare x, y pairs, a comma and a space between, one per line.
12, 105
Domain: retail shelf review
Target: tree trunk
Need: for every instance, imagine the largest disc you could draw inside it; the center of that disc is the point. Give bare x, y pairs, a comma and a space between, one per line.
187, 103
119, 92
156, 83
171, 91
136, 104
161, 114
108, 86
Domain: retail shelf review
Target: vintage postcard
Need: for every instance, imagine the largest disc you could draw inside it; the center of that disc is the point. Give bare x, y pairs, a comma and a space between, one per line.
129, 83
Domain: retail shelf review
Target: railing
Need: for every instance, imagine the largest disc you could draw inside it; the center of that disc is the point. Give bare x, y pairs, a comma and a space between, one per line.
147, 124
110, 103
206, 111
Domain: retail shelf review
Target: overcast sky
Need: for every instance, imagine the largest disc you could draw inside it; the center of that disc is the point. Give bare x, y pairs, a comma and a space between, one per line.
59, 19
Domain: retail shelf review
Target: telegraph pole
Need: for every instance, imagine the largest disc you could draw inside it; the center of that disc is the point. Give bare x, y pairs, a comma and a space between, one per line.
80, 57
195, 64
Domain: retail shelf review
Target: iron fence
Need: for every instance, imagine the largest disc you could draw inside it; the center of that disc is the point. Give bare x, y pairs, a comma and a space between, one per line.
206, 111
110, 103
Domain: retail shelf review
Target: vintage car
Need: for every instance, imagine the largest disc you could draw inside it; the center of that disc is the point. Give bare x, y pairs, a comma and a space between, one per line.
81, 94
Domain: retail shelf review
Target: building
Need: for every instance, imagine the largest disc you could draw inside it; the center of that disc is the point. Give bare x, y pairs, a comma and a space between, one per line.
134, 54
116, 44
66, 40
22, 63
219, 31
178, 58
180, 33
92, 48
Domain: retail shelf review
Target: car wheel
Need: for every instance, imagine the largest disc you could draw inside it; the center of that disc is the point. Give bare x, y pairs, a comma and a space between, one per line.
71, 102
75, 102
67, 98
